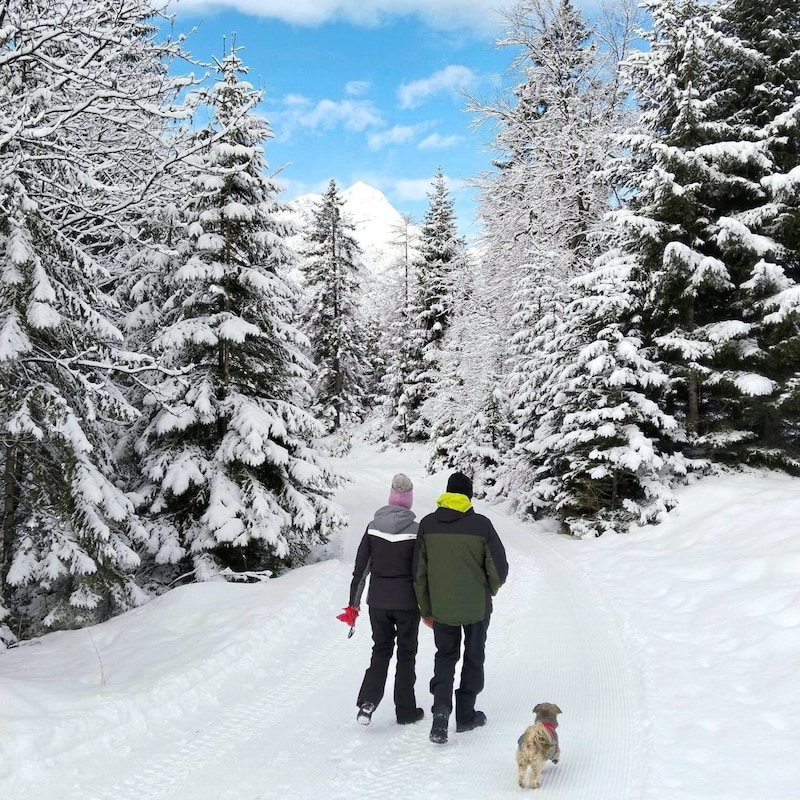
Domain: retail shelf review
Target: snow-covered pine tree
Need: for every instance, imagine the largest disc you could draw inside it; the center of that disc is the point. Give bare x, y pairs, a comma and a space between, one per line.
540, 340
601, 449
145, 291
469, 413
411, 390
437, 270
85, 87
398, 334
232, 479
696, 166
333, 319
544, 202
760, 46
453, 397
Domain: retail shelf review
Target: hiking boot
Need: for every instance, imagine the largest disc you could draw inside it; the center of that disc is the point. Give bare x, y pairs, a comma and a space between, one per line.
439, 729
364, 716
477, 721
408, 719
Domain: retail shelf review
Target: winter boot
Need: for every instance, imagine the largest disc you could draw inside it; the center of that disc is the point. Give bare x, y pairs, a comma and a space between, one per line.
478, 720
406, 719
439, 729
364, 716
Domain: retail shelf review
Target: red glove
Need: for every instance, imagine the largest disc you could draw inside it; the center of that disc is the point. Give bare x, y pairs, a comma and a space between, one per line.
349, 615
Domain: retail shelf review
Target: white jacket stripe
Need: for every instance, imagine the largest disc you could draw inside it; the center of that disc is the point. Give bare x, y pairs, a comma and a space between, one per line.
392, 537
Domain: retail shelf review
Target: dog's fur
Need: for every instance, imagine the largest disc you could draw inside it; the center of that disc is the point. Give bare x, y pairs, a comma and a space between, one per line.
538, 745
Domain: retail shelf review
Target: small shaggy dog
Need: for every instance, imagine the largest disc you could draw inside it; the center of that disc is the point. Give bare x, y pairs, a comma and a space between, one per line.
538, 744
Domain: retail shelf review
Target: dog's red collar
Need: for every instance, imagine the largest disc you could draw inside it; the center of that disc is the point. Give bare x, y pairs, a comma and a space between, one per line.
551, 728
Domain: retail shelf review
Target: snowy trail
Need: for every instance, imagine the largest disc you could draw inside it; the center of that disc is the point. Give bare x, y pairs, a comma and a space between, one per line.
274, 714
656, 646
577, 658
293, 734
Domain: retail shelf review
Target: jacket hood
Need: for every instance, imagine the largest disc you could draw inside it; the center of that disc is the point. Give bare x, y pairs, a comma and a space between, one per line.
392, 519
454, 501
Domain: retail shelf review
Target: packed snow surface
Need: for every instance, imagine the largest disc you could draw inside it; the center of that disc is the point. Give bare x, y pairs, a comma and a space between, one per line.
673, 652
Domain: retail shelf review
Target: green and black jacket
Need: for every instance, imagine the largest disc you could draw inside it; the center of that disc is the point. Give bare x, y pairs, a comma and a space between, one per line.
459, 563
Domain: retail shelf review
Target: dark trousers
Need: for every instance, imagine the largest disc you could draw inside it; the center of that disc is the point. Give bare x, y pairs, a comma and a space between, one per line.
448, 651
402, 625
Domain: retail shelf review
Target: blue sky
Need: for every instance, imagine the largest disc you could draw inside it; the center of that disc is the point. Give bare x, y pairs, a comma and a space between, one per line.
365, 90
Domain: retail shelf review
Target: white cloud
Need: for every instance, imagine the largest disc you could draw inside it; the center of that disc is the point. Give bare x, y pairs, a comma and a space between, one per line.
357, 88
352, 115
438, 142
399, 134
296, 101
414, 189
478, 15
292, 188
449, 79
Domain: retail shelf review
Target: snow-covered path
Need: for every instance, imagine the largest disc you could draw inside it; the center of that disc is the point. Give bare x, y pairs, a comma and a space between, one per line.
272, 714
247, 692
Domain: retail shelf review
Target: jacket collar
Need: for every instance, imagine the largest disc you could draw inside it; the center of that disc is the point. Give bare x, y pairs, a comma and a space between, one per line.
454, 501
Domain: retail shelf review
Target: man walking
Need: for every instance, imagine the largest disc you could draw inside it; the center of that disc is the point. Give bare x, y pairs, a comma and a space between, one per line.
459, 565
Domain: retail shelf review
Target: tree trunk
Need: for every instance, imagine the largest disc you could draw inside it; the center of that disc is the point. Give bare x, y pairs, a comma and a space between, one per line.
692, 384
11, 483
692, 403
223, 348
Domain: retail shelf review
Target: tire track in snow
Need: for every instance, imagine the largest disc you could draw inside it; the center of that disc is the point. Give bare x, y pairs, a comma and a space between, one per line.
577, 657
212, 741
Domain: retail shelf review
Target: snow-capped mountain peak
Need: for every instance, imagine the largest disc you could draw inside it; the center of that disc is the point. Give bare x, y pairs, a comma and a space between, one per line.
379, 228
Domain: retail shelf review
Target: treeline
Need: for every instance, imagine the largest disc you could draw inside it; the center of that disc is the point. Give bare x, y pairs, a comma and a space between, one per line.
170, 363
156, 390
634, 318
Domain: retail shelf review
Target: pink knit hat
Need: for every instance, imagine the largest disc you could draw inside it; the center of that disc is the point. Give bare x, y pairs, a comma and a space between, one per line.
402, 493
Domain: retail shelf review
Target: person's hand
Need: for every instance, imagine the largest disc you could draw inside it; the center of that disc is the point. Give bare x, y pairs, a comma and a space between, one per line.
349, 615
428, 621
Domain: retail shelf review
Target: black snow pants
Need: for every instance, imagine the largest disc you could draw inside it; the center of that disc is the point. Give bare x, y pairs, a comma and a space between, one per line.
387, 625
448, 651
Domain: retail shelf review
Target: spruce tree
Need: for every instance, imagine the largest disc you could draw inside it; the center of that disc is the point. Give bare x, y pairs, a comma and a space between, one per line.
87, 92
474, 432
544, 204
468, 412
759, 45
699, 224
398, 334
437, 270
333, 318
602, 454
231, 478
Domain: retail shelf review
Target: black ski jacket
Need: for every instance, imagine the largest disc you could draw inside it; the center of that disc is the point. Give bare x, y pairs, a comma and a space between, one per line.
386, 553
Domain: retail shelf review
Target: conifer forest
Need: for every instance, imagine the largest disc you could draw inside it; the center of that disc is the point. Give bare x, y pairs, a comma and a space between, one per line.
178, 358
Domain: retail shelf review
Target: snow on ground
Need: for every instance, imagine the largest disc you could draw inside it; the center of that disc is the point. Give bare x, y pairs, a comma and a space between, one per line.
673, 653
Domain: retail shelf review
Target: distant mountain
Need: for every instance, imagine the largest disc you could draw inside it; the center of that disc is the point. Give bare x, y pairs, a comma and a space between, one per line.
378, 224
